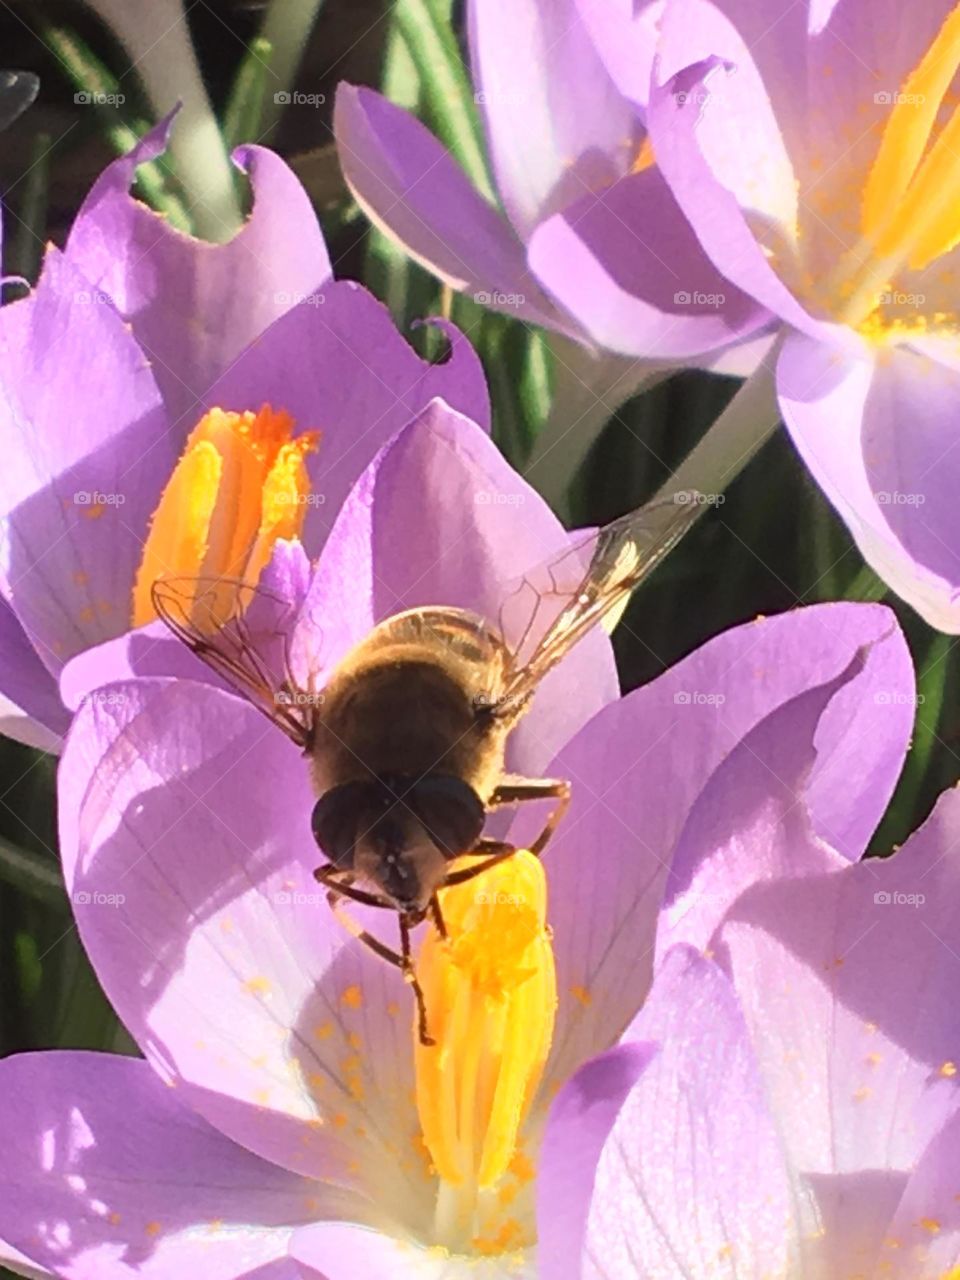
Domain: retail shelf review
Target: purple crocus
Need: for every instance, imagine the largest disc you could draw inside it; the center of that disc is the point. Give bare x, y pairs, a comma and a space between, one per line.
787, 1103
172, 406
813, 149
274, 1129
590, 242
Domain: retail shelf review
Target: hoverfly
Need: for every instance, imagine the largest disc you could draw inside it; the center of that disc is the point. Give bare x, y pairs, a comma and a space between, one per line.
406, 740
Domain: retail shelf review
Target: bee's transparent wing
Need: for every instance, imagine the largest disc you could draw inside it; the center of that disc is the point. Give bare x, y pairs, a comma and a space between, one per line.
554, 607
244, 641
17, 91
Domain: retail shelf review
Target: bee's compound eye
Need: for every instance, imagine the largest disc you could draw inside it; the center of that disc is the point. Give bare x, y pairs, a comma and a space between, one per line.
334, 822
451, 812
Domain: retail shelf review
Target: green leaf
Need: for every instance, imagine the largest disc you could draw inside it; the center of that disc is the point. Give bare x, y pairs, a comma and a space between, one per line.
32, 874
447, 92
91, 76
244, 110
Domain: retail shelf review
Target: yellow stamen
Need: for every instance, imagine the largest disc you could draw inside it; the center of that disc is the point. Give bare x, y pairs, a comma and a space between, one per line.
491, 998
910, 209
645, 157
239, 486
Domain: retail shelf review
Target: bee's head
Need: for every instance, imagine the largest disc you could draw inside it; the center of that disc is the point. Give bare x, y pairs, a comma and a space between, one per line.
399, 833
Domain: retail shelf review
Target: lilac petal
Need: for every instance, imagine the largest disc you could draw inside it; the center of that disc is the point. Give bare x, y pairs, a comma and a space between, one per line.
719, 146
847, 981
854, 73
638, 768
88, 454
30, 707
625, 35
469, 525
557, 127
677, 1190
580, 1123
923, 1238
195, 306
185, 831
338, 1251
412, 189
152, 650
626, 264
340, 366
107, 1175
21, 1265
750, 822
846, 418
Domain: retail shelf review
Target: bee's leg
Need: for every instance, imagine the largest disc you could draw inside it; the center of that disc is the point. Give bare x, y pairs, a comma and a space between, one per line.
402, 959
410, 977
496, 851
334, 898
515, 790
330, 876
436, 915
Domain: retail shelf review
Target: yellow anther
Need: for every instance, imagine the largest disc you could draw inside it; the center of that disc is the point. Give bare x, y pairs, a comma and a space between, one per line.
239, 486
910, 201
491, 999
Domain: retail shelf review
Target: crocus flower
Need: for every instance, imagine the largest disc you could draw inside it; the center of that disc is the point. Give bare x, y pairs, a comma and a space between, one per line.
590, 242
285, 1113
787, 1103
170, 406
813, 149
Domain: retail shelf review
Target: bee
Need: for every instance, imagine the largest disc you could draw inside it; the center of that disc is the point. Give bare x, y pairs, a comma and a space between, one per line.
406, 739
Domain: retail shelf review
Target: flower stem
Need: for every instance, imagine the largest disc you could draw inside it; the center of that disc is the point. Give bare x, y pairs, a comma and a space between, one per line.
727, 446
156, 37
587, 391
286, 28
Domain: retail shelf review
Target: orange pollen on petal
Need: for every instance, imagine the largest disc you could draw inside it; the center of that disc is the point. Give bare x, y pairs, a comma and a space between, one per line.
645, 157
239, 486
